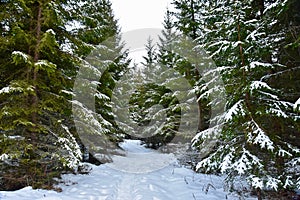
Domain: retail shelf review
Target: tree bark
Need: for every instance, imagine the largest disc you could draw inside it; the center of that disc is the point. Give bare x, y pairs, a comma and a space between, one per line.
194, 29
261, 5
36, 56
201, 113
258, 192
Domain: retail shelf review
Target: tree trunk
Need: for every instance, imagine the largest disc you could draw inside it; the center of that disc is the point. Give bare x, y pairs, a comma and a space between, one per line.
201, 113
258, 192
241, 47
194, 28
261, 5
34, 98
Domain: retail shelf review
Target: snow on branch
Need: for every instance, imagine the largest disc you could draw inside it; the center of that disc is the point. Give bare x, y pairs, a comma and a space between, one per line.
258, 85
290, 70
227, 161
4, 157
45, 65
256, 64
207, 163
7, 89
50, 31
274, 5
102, 96
87, 118
19, 56
15, 87
297, 105
273, 183
279, 108
256, 182
208, 134
288, 182
68, 92
277, 112
284, 153
236, 109
260, 137
246, 162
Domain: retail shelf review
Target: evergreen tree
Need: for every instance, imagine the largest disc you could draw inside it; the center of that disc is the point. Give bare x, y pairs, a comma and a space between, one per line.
105, 62
44, 43
188, 21
177, 53
253, 141
151, 58
167, 41
152, 103
188, 17
36, 144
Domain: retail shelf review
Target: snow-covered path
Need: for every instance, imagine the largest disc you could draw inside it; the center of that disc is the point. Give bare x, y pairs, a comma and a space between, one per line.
141, 175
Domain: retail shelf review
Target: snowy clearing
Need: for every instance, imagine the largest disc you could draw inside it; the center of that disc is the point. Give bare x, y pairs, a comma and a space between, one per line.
133, 177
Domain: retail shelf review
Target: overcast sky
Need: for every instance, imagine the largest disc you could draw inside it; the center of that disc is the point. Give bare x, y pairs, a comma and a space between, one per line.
145, 15
137, 14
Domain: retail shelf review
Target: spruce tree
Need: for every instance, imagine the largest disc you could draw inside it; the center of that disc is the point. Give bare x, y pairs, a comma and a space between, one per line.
151, 103
187, 20
179, 57
35, 137
104, 61
45, 43
187, 17
252, 141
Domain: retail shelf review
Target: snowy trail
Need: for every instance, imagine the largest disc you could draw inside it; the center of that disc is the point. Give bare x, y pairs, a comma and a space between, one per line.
141, 175
126, 188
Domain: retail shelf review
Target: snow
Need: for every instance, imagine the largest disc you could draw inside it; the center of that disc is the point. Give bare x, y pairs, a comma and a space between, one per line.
288, 183
273, 183
134, 181
24, 56
50, 31
257, 182
296, 105
68, 92
274, 5
139, 159
102, 96
15, 88
261, 138
258, 85
4, 157
236, 109
227, 161
5, 90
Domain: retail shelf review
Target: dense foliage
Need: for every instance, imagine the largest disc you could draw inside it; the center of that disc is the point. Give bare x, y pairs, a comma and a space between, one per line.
43, 43
255, 46
240, 60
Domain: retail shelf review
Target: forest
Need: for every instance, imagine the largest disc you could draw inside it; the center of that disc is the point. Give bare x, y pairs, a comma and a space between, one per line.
62, 69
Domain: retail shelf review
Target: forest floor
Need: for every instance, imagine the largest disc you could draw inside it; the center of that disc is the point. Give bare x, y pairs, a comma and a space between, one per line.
143, 174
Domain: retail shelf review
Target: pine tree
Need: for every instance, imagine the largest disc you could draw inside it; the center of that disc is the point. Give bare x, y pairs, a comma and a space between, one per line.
188, 17
151, 58
150, 102
188, 22
45, 43
252, 142
179, 57
167, 41
36, 142
105, 61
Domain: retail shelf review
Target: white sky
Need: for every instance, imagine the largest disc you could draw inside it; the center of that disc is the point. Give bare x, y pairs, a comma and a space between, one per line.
136, 14
145, 15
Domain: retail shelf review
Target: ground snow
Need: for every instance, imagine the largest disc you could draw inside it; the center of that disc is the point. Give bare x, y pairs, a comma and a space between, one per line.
129, 179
